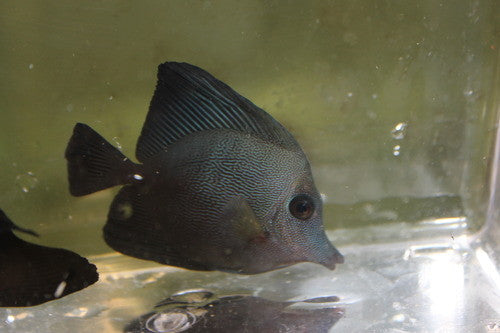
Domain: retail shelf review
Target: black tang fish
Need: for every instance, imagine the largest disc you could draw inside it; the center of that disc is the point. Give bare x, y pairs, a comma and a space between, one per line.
31, 274
221, 184
236, 313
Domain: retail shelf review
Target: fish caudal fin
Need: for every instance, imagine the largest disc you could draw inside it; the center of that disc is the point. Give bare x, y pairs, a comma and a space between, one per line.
93, 163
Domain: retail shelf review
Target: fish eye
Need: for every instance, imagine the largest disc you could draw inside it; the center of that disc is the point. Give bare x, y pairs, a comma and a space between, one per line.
302, 206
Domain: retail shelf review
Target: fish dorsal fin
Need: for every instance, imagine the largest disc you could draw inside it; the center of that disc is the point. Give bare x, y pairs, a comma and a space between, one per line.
187, 99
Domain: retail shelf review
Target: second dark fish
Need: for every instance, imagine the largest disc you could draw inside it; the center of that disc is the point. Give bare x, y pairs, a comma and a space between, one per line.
236, 313
31, 274
222, 185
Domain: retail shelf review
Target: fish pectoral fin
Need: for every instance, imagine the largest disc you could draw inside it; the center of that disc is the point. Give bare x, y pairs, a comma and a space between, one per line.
243, 222
188, 99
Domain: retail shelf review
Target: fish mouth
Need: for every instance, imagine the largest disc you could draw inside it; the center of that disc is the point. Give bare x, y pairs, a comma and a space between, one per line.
332, 260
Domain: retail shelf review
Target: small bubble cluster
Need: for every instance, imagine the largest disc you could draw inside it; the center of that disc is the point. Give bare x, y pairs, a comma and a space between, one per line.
398, 132
27, 181
118, 145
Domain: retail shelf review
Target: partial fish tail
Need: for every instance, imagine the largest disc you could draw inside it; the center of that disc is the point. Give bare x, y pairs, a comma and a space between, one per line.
94, 164
6, 224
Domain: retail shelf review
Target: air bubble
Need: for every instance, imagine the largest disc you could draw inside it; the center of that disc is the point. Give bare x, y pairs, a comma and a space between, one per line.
138, 177
398, 132
27, 181
84, 312
171, 321
398, 318
469, 92
118, 145
31, 66
12, 318
396, 150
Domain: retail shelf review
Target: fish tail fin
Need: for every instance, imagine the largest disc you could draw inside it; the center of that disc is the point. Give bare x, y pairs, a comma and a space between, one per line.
94, 164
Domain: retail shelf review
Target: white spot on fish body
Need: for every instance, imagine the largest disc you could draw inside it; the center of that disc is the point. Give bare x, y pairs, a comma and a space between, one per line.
60, 289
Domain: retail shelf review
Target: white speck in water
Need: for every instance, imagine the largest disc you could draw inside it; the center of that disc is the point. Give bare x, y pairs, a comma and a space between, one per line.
374, 96
349, 94
138, 177
31, 66
468, 92
69, 107
84, 312
118, 145
20, 316
324, 197
398, 318
397, 306
144, 279
371, 114
350, 38
80, 312
110, 97
398, 132
396, 150
60, 289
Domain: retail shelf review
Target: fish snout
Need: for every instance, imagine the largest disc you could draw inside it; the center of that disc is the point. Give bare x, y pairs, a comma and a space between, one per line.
332, 259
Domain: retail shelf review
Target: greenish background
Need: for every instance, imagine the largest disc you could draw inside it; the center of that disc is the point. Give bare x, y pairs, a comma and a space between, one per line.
340, 75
